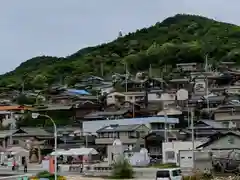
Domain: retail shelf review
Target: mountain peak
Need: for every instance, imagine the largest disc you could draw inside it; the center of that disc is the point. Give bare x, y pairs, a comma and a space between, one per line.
177, 39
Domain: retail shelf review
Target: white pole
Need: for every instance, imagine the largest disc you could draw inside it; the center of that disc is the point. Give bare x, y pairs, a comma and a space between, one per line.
55, 146
165, 126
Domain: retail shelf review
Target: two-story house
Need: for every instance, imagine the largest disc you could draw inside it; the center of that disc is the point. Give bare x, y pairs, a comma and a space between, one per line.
152, 95
128, 134
19, 137
228, 114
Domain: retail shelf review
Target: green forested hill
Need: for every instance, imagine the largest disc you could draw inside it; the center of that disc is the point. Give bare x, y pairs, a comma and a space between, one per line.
178, 39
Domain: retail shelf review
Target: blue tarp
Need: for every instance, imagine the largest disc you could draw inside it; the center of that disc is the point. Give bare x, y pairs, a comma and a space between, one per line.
79, 92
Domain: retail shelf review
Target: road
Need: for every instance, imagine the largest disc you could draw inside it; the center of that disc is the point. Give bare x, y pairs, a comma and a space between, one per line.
141, 173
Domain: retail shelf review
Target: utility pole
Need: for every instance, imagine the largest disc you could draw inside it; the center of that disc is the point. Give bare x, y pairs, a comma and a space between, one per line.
188, 120
133, 104
86, 140
102, 73
165, 125
193, 142
23, 86
126, 78
150, 70
206, 84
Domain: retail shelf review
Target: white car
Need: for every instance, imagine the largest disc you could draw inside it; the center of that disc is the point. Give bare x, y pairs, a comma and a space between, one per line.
169, 174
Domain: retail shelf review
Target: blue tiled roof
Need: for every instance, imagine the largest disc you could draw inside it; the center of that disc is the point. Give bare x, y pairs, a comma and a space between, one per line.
79, 92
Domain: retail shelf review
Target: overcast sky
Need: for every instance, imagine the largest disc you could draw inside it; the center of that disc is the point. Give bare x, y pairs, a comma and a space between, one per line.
60, 27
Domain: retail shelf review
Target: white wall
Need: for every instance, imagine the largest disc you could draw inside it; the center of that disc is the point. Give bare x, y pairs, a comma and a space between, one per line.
176, 146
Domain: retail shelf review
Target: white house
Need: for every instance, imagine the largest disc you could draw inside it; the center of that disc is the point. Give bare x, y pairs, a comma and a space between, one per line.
170, 150
114, 97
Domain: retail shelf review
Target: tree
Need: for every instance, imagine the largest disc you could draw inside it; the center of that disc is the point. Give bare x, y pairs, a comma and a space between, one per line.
22, 99
178, 39
39, 81
122, 169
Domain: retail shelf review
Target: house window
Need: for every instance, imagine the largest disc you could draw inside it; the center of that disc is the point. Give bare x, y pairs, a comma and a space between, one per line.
170, 154
15, 142
231, 140
110, 134
176, 173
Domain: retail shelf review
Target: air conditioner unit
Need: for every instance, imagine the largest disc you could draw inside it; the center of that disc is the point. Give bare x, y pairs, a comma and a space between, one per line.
232, 124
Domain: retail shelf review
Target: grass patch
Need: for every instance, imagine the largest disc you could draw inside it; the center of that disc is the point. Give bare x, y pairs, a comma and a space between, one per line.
164, 166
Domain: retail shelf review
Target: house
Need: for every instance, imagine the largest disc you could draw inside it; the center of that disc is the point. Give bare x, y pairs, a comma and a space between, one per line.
116, 97
222, 141
73, 137
70, 98
4, 115
140, 84
155, 138
187, 66
128, 134
138, 96
228, 113
233, 90
62, 112
94, 125
227, 65
173, 112
16, 108
91, 80
211, 101
69, 113
170, 150
204, 128
83, 108
19, 137
117, 114
179, 83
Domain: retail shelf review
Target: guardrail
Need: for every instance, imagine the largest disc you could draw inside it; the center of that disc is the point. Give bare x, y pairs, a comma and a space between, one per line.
17, 176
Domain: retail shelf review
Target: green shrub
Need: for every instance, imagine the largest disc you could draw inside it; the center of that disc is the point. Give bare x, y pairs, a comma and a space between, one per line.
122, 169
44, 174
199, 176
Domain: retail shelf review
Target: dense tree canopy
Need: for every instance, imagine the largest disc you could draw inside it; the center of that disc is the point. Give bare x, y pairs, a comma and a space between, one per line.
178, 39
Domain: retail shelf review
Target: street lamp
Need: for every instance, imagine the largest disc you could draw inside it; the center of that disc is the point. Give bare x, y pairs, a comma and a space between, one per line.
36, 115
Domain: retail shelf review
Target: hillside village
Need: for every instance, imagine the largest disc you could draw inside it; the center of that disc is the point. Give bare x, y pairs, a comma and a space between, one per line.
163, 96
199, 106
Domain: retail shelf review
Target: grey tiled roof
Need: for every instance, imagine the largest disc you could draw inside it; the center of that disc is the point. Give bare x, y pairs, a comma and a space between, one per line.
53, 107
213, 124
33, 132
106, 113
6, 133
119, 128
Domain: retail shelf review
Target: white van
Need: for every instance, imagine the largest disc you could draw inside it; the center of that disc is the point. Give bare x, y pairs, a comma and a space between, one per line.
169, 174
